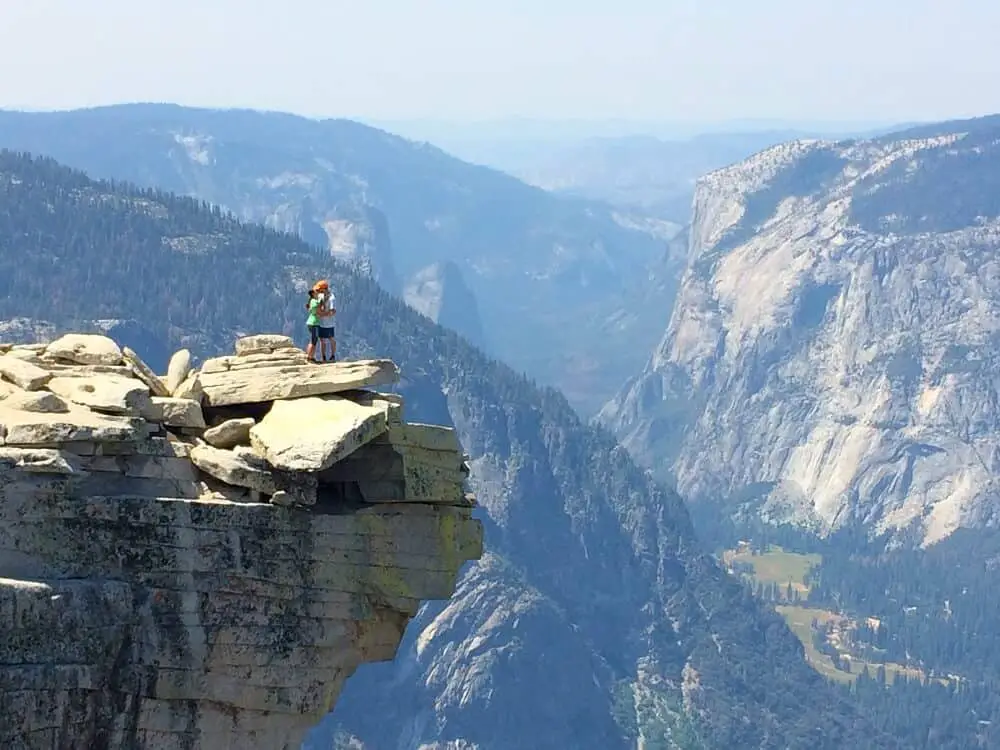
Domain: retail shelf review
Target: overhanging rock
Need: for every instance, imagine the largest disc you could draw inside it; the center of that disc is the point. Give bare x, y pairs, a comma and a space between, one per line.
160, 592
312, 434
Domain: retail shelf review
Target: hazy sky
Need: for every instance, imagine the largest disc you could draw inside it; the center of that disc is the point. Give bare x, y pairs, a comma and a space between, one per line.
472, 59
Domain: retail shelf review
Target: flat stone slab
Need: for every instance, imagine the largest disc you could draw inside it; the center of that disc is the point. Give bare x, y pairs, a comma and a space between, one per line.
78, 424
110, 394
265, 359
37, 401
64, 370
262, 343
144, 372
312, 434
255, 385
426, 436
22, 373
39, 460
233, 468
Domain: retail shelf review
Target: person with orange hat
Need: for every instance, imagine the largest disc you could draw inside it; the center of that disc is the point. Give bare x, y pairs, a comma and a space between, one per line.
326, 313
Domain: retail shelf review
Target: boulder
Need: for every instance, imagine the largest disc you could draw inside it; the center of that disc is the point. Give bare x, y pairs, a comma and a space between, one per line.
178, 369
144, 373
21, 373
76, 425
230, 433
27, 355
190, 388
262, 384
174, 412
85, 349
110, 394
8, 389
311, 434
233, 468
41, 402
262, 343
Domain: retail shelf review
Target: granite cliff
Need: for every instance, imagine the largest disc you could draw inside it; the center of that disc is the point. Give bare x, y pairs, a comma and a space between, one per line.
200, 560
831, 358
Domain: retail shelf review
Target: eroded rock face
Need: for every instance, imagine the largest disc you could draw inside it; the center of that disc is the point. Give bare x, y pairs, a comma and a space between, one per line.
160, 592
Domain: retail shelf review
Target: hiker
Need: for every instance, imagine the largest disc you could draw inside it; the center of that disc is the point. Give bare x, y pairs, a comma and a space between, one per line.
312, 323
326, 313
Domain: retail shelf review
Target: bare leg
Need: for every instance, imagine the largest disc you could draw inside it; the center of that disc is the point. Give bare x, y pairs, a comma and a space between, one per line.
311, 348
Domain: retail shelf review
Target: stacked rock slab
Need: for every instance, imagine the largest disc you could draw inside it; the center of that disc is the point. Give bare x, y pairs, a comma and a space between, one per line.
200, 560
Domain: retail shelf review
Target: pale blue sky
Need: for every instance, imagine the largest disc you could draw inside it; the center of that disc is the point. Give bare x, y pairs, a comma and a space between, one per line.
470, 59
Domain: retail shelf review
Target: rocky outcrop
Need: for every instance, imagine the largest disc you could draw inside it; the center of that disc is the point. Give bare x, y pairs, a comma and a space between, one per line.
832, 353
207, 571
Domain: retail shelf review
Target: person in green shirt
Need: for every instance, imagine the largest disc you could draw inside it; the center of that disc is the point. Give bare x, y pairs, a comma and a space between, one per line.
312, 324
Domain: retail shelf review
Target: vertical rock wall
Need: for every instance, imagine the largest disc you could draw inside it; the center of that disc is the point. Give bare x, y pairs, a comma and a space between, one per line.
201, 560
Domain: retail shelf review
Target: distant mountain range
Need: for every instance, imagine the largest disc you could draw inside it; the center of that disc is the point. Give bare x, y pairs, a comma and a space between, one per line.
565, 289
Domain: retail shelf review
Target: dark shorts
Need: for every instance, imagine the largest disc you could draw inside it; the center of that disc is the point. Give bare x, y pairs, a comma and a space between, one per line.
313, 334
326, 333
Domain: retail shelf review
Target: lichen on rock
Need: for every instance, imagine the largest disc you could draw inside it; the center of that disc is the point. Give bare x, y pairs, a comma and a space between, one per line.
170, 578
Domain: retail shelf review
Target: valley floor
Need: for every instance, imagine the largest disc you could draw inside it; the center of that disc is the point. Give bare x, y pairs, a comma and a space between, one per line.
782, 578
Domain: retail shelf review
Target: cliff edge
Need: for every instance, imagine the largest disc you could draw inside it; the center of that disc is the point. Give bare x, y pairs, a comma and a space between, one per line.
200, 560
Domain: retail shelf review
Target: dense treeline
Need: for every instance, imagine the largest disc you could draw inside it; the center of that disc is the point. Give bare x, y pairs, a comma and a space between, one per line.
937, 606
937, 609
928, 714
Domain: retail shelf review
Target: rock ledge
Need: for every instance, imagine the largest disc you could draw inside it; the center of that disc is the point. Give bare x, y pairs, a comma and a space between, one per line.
201, 559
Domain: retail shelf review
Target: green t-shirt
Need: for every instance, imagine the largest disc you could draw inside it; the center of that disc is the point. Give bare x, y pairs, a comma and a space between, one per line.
313, 319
